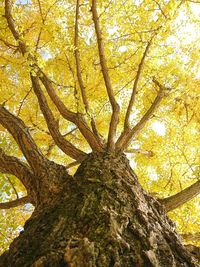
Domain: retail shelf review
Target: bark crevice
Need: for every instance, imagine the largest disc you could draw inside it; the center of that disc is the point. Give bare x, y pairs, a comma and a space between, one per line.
101, 218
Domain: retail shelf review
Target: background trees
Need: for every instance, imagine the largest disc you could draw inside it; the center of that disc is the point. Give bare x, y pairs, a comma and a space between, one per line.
148, 63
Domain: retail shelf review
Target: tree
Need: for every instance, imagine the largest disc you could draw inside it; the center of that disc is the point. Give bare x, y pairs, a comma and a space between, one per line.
95, 82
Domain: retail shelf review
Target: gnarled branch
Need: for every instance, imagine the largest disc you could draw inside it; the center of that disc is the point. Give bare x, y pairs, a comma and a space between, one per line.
16, 167
115, 106
53, 126
182, 197
20, 133
15, 203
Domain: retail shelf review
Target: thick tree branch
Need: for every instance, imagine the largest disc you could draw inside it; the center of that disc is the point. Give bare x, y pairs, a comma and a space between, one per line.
132, 99
115, 107
182, 197
77, 57
12, 165
20, 133
79, 73
11, 25
53, 126
95, 131
76, 118
15, 203
128, 134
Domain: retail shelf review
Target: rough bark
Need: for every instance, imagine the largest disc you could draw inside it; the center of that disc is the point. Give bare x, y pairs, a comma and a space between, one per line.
14, 166
23, 138
100, 218
182, 197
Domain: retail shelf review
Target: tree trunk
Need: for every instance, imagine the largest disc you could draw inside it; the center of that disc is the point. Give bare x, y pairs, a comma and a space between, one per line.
101, 218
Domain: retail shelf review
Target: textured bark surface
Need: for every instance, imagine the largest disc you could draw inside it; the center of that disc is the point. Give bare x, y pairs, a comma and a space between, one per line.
101, 218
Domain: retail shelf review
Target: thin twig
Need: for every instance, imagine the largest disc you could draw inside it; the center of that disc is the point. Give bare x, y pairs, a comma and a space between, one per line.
22, 101
13, 187
139, 151
40, 9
